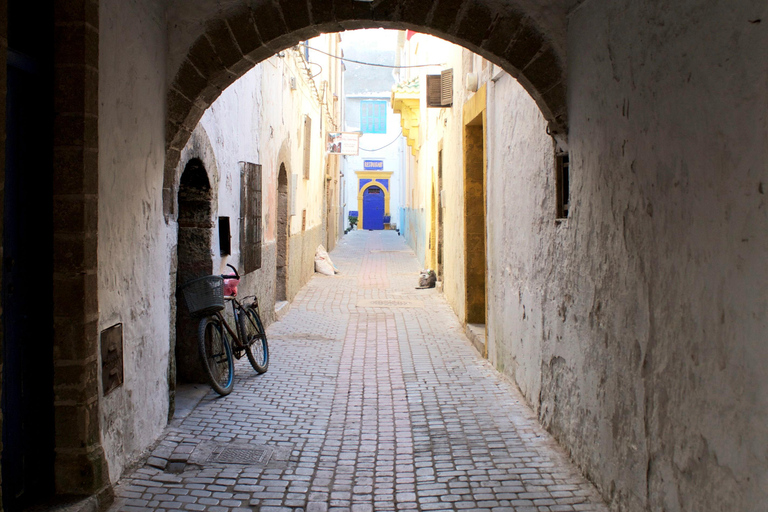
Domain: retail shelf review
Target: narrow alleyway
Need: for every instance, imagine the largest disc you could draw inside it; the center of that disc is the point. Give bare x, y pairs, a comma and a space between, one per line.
374, 400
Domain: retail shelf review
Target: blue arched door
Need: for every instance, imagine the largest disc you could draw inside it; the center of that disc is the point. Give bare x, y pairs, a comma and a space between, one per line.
373, 208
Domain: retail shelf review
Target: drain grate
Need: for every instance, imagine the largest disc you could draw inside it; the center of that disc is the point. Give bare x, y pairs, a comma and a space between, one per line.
239, 455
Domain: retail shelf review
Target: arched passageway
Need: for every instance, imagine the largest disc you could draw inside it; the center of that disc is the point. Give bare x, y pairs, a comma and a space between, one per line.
234, 41
194, 260
283, 226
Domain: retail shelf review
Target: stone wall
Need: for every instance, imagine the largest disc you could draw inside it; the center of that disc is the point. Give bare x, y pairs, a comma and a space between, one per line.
635, 328
301, 258
134, 243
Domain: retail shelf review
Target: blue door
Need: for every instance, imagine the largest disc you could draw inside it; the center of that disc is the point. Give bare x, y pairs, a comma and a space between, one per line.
373, 208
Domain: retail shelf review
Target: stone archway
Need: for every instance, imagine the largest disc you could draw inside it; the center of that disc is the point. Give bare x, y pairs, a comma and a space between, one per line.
193, 260
283, 226
231, 42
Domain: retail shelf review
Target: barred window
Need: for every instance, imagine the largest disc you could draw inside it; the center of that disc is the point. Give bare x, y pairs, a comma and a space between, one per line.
250, 217
373, 116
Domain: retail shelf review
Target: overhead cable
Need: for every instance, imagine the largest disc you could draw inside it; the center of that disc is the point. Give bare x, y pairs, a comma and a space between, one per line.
344, 59
389, 144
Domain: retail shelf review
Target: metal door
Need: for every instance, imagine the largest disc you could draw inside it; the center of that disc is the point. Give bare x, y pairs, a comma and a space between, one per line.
373, 208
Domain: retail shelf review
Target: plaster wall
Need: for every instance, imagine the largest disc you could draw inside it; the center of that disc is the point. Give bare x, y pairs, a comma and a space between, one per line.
636, 327
134, 241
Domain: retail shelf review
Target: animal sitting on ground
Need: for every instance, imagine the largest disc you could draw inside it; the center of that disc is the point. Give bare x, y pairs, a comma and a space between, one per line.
427, 279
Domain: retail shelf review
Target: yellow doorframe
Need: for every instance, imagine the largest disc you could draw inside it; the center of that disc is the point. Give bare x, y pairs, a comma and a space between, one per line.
475, 262
374, 176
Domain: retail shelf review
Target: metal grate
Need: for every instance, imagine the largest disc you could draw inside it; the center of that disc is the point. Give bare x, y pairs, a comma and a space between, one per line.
238, 455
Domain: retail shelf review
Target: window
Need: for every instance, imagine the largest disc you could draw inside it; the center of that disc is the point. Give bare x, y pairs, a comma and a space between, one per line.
373, 116
440, 89
563, 185
250, 217
307, 144
225, 237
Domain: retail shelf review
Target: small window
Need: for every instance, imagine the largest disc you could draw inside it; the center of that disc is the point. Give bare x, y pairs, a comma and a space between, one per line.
373, 116
250, 217
440, 89
374, 190
563, 184
225, 237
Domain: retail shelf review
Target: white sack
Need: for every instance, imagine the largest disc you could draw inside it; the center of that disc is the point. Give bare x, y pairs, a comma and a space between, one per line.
323, 263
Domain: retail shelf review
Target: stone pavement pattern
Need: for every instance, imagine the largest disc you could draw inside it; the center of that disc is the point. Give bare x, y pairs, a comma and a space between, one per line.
374, 400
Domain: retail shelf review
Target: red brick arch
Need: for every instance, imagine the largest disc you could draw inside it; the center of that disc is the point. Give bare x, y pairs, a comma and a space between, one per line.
236, 40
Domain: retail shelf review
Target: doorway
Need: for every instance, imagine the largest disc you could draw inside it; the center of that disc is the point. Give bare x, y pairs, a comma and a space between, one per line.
373, 208
27, 280
474, 208
440, 214
194, 260
281, 267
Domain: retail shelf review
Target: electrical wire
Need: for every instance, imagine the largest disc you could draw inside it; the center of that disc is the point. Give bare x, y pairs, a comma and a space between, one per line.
343, 59
389, 144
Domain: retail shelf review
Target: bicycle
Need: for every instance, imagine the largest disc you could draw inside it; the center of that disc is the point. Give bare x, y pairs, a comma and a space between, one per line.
217, 341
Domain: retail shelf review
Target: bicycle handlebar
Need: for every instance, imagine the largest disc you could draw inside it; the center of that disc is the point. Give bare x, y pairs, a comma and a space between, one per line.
231, 276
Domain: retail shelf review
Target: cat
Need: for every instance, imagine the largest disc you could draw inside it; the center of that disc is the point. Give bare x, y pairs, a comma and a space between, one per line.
427, 279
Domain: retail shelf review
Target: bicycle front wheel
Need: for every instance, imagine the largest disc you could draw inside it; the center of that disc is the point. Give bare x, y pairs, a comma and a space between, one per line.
216, 355
254, 339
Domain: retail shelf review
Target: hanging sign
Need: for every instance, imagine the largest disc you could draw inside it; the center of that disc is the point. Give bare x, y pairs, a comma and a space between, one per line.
343, 143
373, 165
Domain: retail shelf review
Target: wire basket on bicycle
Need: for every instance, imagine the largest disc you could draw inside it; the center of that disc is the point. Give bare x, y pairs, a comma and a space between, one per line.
204, 296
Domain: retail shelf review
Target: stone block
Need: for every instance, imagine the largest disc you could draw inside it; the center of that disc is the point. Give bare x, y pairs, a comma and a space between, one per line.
298, 14
76, 90
269, 21
502, 32
74, 339
476, 23
556, 101
82, 472
223, 42
77, 425
544, 72
415, 12
188, 81
203, 56
444, 15
386, 10
76, 130
75, 171
74, 254
243, 28
74, 297
68, 11
178, 107
526, 44
76, 44
75, 215
322, 11
76, 382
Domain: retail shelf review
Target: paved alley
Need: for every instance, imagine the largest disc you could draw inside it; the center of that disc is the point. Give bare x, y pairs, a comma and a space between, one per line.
374, 400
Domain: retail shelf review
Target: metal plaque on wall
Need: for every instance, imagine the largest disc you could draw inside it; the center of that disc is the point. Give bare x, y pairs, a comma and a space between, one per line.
111, 358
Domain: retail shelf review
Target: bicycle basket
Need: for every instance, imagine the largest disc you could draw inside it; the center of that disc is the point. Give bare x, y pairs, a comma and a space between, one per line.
204, 295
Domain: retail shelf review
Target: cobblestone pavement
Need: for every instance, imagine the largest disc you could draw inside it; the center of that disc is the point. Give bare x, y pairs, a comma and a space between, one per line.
374, 400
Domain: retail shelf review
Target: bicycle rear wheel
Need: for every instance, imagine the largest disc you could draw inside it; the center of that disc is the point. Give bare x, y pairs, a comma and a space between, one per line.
216, 355
254, 339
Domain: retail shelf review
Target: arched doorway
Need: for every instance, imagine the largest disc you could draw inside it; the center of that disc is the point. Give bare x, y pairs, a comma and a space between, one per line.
281, 267
373, 208
194, 260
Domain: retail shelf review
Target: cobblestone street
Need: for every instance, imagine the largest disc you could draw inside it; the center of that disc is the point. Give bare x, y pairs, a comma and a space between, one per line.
374, 400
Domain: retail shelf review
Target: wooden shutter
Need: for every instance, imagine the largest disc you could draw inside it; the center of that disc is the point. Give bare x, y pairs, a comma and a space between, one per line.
446, 87
433, 91
440, 89
307, 144
250, 217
